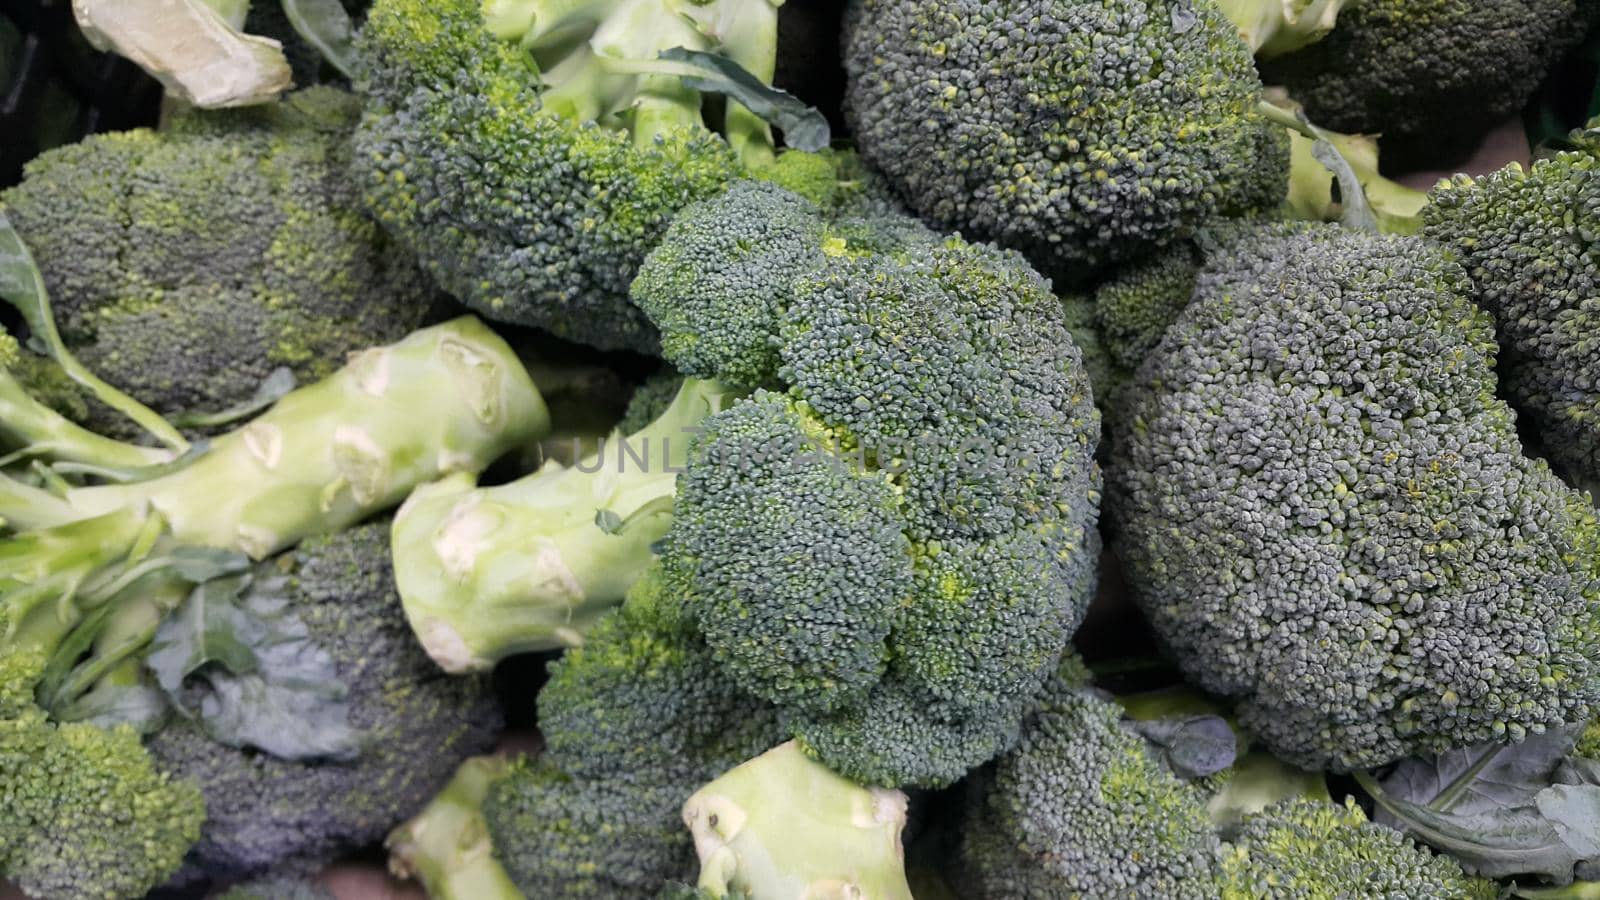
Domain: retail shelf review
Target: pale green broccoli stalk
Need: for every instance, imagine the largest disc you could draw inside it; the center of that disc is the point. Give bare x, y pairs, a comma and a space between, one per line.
596, 143
1275, 27
1525, 237
1311, 185
1431, 76
186, 265
1003, 120
323, 458
1300, 482
446, 847
782, 823
529, 565
85, 812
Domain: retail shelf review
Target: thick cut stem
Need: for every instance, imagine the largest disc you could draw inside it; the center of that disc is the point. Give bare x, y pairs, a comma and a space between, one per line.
446, 399
447, 846
1275, 27
487, 572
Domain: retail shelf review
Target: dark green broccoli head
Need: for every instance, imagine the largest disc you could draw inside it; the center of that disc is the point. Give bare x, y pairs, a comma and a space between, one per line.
266, 814
506, 144
1431, 76
84, 811
1078, 131
634, 721
187, 264
1326, 513
922, 498
1301, 849
1082, 808
1526, 239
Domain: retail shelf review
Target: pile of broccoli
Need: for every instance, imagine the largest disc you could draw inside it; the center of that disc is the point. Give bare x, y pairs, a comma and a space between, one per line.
524, 441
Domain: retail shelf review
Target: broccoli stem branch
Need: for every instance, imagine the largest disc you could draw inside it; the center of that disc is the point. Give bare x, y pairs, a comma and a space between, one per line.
42, 432
334, 452
23, 506
447, 846
1274, 27
487, 572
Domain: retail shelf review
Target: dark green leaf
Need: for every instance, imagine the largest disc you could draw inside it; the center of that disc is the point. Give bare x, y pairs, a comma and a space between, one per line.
803, 127
237, 659
1574, 812
1512, 777
1356, 213
109, 705
1193, 746
325, 25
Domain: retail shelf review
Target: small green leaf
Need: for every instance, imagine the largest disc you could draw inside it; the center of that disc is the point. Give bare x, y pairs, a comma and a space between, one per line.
22, 286
238, 660
325, 25
278, 382
803, 127
1192, 746
608, 521
1356, 214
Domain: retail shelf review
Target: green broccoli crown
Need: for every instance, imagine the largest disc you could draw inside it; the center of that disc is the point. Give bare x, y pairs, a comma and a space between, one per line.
1082, 808
1430, 74
187, 264
84, 812
634, 721
1305, 850
1136, 306
511, 147
1078, 131
1314, 476
930, 461
1525, 238
265, 813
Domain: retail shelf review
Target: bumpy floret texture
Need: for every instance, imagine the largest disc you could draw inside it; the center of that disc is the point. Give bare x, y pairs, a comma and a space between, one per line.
269, 815
1431, 76
84, 812
526, 215
1526, 238
635, 720
185, 265
1081, 808
1304, 850
1326, 513
1078, 131
896, 548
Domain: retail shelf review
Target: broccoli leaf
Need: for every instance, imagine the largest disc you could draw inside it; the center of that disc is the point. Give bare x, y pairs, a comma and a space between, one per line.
1515, 810
325, 25
803, 127
1192, 747
237, 659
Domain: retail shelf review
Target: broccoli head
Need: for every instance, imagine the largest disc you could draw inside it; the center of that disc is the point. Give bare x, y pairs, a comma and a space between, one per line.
1432, 76
635, 720
1091, 804
1327, 515
532, 151
265, 814
1525, 237
85, 811
1081, 132
187, 264
892, 537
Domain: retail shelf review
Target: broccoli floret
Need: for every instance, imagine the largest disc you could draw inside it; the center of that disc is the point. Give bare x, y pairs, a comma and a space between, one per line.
650, 400
1525, 237
1081, 132
634, 720
447, 847
782, 823
924, 504
1327, 515
1431, 76
1087, 805
84, 811
515, 148
1304, 850
186, 265
265, 814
